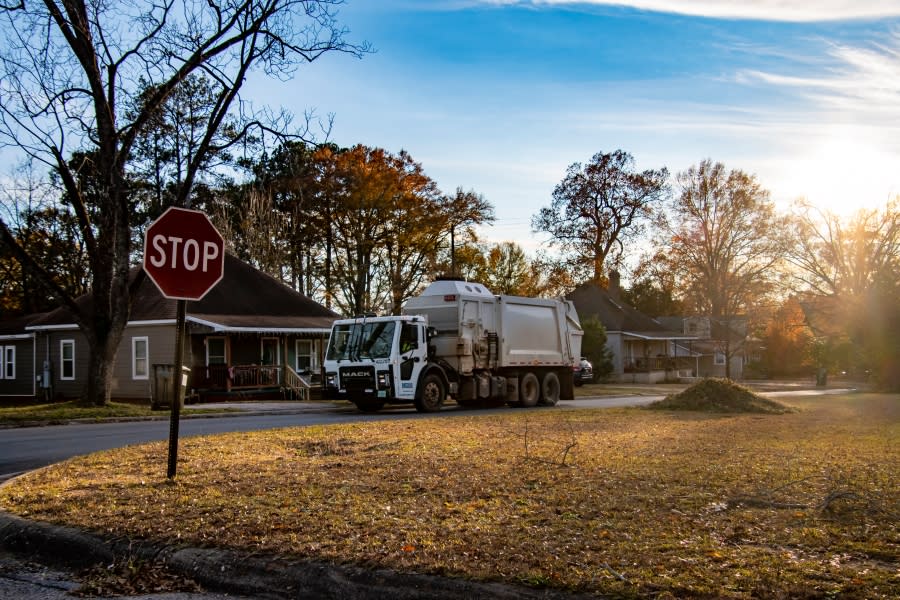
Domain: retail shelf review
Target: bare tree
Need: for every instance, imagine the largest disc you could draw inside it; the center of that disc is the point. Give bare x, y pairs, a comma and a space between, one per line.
847, 272
598, 206
844, 257
722, 241
89, 76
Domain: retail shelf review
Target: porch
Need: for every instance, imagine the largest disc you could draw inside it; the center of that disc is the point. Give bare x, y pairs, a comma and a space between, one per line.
647, 370
259, 365
279, 379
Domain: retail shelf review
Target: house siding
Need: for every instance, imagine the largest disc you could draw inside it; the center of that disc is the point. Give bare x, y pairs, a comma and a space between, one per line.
708, 368
615, 346
47, 343
160, 350
23, 385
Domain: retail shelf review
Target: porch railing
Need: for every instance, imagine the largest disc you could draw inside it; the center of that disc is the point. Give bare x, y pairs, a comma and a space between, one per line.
296, 384
223, 377
651, 363
210, 377
255, 376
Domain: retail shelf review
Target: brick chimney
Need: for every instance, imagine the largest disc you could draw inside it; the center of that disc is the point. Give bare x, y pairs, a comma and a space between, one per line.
614, 289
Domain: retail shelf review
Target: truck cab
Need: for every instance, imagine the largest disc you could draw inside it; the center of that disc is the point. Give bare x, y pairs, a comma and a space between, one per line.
373, 361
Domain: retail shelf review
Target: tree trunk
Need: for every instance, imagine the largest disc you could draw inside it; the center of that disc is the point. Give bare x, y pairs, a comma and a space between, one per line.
98, 390
104, 336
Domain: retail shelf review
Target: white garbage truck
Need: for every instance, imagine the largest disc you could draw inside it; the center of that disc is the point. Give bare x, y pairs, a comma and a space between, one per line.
456, 339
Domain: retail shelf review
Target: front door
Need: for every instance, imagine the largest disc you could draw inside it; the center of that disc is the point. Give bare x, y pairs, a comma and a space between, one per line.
270, 357
270, 352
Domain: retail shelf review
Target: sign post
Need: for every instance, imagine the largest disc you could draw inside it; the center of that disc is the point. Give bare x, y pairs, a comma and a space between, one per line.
184, 256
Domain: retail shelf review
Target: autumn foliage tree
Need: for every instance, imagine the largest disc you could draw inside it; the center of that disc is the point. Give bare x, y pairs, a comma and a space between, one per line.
599, 206
848, 272
505, 268
787, 340
49, 233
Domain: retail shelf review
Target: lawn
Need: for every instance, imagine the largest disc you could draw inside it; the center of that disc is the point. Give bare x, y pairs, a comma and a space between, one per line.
624, 502
63, 412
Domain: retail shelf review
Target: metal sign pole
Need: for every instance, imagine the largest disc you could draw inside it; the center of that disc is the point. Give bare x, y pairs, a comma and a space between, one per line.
178, 389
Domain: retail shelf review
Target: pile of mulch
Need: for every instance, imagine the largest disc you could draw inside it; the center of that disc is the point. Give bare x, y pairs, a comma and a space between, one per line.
719, 396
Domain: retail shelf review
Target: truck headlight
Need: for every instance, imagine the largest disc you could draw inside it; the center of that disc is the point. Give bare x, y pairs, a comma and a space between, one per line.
331, 379
382, 379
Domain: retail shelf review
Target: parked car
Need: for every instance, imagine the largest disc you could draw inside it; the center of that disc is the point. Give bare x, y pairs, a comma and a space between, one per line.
583, 372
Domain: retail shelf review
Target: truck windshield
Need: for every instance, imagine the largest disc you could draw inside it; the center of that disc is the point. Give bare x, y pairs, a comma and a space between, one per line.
338, 346
353, 341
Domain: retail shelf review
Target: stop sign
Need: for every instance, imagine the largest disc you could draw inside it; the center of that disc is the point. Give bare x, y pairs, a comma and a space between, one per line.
184, 255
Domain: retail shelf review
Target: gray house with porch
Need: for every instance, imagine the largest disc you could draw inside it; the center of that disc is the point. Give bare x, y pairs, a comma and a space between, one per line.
250, 336
643, 349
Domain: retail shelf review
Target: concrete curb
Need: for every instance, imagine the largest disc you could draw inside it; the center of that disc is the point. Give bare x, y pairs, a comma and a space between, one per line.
252, 575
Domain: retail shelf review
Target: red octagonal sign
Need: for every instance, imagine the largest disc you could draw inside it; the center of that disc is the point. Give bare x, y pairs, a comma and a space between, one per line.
184, 254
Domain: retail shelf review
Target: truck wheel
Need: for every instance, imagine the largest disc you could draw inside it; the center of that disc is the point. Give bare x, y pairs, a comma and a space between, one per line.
369, 406
433, 394
529, 390
550, 389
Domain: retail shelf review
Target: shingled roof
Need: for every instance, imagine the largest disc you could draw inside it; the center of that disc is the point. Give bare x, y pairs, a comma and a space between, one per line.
591, 300
246, 299
16, 326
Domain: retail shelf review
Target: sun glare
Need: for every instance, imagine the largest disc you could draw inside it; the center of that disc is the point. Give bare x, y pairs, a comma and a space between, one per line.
843, 175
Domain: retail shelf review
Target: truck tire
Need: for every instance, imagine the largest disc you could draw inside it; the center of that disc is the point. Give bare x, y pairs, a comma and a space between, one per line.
529, 390
432, 394
369, 406
550, 389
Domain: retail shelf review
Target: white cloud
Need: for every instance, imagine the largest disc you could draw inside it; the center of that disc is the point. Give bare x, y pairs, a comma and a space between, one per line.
863, 86
847, 152
765, 10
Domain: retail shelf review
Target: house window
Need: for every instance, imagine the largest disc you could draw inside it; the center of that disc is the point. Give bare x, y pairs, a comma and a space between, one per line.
7, 362
305, 356
139, 358
719, 358
67, 360
215, 351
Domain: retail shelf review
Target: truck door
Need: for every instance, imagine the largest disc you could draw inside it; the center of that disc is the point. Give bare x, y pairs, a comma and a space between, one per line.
413, 350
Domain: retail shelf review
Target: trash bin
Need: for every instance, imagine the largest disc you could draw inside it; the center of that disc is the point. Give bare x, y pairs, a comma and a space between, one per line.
161, 396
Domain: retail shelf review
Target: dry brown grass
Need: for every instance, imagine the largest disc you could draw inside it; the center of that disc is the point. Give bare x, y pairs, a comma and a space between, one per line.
629, 502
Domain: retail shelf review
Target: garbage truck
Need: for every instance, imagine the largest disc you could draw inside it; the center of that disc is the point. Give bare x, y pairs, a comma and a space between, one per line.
456, 340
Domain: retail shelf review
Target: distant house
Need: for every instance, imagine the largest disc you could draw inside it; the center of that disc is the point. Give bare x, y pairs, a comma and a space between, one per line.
712, 340
249, 336
643, 349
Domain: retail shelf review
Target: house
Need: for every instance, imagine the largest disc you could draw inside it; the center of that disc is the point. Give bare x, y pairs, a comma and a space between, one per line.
18, 360
712, 340
250, 336
643, 349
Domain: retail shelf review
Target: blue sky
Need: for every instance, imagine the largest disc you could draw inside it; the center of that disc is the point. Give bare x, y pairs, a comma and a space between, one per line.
501, 96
